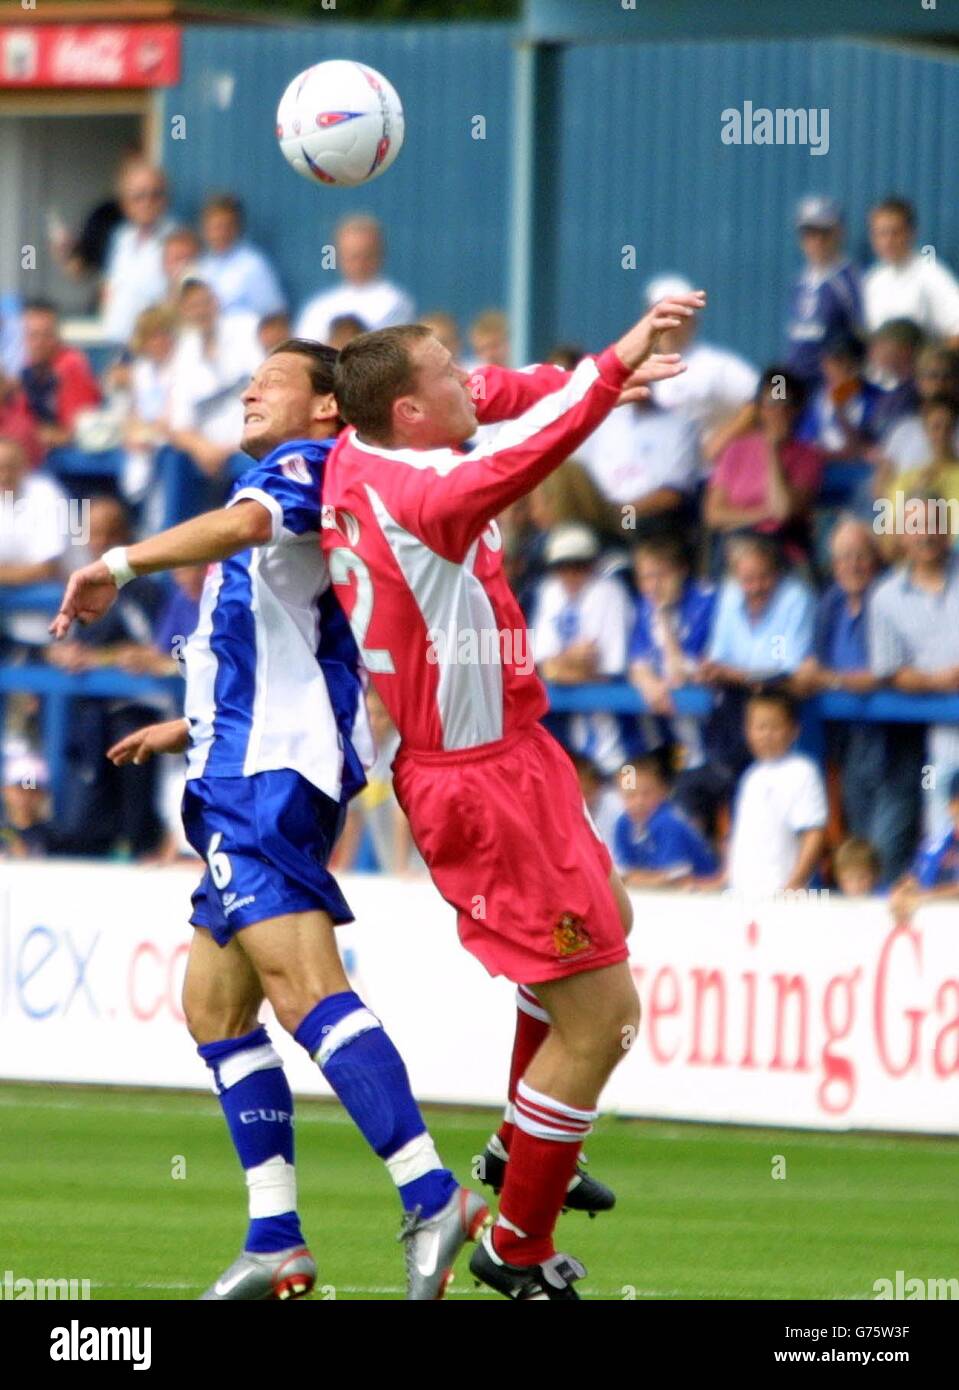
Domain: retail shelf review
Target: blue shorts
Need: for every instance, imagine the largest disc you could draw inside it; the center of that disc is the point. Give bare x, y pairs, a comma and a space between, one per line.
266, 840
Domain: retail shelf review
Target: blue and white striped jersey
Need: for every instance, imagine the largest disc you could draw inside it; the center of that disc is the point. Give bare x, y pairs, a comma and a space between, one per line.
272, 671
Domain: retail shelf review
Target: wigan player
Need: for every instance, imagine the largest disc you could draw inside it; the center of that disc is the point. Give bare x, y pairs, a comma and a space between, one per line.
493, 802
274, 706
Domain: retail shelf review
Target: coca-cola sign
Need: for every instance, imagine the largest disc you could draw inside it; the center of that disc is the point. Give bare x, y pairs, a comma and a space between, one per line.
90, 55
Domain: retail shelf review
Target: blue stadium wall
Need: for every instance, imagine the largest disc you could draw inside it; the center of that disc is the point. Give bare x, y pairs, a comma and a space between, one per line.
642, 163
639, 161
444, 201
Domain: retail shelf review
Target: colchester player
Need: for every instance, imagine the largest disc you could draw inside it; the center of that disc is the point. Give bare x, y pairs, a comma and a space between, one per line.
494, 805
275, 721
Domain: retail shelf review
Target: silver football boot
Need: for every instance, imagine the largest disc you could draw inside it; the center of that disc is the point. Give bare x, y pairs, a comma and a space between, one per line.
433, 1245
284, 1274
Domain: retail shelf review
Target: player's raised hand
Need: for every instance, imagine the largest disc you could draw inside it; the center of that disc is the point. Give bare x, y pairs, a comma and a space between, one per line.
90, 593
659, 366
635, 346
169, 737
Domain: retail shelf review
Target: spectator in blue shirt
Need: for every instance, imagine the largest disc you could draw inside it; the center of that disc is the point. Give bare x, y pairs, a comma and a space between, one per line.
880, 765
762, 632
673, 618
825, 299
239, 274
839, 417
654, 845
935, 875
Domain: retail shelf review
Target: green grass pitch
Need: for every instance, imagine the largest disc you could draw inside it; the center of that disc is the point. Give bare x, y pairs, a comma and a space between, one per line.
86, 1177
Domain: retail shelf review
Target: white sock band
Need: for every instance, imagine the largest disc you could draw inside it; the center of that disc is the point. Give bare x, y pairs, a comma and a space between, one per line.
240, 1065
527, 1003
414, 1159
271, 1187
546, 1118
348, 1028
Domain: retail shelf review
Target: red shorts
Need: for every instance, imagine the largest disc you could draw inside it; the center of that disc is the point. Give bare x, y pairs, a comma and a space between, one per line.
506, 837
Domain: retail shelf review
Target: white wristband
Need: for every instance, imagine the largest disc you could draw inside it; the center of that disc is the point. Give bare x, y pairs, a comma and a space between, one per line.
119, 566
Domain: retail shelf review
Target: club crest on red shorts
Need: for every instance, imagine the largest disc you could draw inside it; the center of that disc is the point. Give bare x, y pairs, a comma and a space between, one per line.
570, 935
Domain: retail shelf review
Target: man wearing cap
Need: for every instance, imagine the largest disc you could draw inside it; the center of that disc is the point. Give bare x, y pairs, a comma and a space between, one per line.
824, 302
581, 625
717, 383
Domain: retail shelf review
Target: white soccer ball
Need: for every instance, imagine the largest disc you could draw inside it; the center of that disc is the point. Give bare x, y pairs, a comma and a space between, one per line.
340, 123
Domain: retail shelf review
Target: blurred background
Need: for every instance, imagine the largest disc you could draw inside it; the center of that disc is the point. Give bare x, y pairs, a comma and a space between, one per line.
565, 163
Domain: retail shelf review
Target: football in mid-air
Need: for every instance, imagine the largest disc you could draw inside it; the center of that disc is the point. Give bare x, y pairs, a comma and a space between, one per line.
340, 123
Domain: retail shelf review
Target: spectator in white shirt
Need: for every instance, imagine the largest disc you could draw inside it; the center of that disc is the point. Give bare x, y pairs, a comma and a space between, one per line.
134, 278
904, 283
579, 633
239, 274
34, 534
215, 357
647, 459
365, 291
716, 385
780, 814
150, 381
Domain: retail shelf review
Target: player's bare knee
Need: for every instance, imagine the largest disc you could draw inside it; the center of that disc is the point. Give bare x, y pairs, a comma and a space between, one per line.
211, 1020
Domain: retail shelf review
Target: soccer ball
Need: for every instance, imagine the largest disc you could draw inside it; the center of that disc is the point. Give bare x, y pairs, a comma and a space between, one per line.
340, 123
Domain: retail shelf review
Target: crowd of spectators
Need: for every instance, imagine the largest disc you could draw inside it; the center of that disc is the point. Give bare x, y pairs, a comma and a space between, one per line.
686, 544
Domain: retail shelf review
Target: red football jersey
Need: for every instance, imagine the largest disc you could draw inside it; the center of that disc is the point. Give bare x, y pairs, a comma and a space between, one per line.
416, 555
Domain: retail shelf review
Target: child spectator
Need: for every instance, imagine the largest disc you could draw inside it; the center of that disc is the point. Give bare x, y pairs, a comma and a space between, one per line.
857, 868
825, 298
25, 830
780, 814
579, 634
839, 416
935, 876
603, 801
673, 617
891, 368
654, 846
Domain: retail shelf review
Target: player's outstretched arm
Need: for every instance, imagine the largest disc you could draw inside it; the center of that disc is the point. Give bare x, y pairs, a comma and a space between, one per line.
172, 736
203, 540
449, 512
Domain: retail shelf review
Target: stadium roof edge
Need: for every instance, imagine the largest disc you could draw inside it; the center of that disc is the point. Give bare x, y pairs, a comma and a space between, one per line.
571, 21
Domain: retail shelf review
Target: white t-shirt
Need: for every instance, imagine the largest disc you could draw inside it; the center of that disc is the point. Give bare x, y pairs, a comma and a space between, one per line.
34, 528
906, 445
205, 390
378, 304
636, 451
602, 613
776, 802
922, 289
714, 385
133, 277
